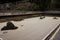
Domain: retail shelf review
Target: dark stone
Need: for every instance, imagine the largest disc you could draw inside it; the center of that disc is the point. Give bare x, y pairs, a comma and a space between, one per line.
9, 26
41, 17
55, 18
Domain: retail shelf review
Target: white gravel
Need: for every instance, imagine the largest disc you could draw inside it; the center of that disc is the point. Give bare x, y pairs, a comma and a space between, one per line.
30, 29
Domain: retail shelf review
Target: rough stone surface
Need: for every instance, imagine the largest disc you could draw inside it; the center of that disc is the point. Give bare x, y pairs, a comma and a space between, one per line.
57, 36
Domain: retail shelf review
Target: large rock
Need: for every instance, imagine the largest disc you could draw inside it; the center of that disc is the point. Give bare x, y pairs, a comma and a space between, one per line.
9, 26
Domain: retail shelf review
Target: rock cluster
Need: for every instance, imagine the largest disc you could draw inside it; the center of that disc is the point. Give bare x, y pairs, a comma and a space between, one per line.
9, 26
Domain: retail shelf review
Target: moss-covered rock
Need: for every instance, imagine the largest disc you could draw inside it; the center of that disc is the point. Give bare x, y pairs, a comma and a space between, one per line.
9, 26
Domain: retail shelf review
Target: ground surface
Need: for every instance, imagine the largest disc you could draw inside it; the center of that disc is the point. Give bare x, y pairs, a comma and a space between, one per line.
30, 29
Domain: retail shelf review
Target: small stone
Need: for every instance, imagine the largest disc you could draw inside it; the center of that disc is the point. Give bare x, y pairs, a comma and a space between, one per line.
21, 25
55, 18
